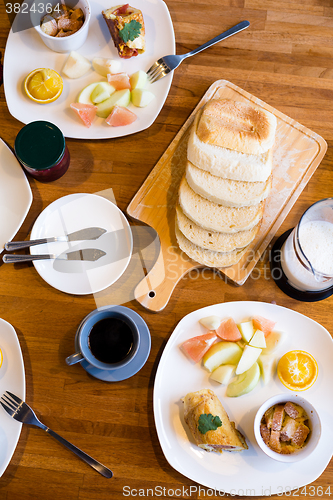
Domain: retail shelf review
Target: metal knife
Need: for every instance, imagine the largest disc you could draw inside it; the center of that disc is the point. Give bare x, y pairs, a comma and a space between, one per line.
89, 254
89, 233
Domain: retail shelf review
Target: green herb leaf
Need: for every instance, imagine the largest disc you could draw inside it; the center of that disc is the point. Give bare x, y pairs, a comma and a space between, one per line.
130, 31
207, 422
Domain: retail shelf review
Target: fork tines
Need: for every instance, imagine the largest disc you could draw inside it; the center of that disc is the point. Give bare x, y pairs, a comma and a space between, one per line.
158, 70
7, 403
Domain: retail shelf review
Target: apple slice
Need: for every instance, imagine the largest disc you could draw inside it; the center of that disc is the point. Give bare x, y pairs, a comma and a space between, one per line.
223, 374
211, 322
274, 342
139, 79
104, 66
247, 330
84, 96
244, 382
267, 364
101, 92
222, 353
258, 340
118, 98
76, 65
249, 357
141, 98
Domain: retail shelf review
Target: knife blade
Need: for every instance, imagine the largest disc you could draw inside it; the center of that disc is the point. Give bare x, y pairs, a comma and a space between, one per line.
88, 233
88, 254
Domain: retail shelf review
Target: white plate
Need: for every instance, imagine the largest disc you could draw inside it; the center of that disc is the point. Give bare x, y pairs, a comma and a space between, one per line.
12, 378
251, 472
160, 41
15, 195
72, 213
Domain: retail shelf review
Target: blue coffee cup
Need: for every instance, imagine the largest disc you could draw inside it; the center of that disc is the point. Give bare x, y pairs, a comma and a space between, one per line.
107, 338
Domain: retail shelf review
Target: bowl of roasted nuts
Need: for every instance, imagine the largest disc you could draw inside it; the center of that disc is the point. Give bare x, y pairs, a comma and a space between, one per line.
63, 27
287, 428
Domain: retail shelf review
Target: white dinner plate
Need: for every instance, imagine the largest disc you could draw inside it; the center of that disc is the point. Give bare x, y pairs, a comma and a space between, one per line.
160, 41
72, 213
15, 195
251, 472
12, 378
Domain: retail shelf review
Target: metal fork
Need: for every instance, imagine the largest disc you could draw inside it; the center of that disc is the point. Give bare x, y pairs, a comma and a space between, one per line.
20, 411
168, 63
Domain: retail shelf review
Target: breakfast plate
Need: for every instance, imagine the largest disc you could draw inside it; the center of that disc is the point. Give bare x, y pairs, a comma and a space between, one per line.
72, 213
251, 472
160, 41
12, 378
15, 195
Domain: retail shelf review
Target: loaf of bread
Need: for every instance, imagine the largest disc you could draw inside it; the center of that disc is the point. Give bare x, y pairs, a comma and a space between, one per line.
215, 217
226, 163
213, 240
237, 125
225, 191
207, 257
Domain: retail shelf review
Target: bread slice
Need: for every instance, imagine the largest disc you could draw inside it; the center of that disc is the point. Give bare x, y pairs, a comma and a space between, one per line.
240, 126
212, 216
212, 240
226, 163
205, 257
225, 191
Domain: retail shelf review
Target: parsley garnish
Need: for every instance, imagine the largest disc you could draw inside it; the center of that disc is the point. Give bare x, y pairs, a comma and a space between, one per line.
130, 31
208, 423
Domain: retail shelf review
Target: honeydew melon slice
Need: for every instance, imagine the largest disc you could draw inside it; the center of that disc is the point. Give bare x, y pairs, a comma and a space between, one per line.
118, 98
245, 382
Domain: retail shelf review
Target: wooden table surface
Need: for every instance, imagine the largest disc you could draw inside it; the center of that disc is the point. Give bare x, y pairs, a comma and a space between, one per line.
286, 59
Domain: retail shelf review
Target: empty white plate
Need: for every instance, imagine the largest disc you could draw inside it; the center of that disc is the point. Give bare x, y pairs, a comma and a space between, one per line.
15, 195
69, 214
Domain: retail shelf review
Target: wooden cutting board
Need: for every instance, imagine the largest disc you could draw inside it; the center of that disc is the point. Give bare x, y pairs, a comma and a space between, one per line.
296, 155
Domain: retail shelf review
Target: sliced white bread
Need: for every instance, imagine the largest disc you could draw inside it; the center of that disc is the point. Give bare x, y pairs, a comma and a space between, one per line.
213, 240
225, 191
226, 163
240, 126
207, 257
212, 216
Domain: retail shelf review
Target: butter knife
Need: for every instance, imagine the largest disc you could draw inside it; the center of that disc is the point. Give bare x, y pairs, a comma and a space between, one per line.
89, 233
89, 254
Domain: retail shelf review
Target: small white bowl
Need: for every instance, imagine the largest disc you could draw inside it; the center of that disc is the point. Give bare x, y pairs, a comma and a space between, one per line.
315, 427
67, 43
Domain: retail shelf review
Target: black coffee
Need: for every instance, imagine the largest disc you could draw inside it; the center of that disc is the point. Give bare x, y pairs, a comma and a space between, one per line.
111, 340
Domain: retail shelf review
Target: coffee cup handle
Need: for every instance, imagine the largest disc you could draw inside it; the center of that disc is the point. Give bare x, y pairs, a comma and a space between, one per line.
74, 358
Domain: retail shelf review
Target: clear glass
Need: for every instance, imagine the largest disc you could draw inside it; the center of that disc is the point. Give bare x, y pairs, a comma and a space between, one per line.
307, 254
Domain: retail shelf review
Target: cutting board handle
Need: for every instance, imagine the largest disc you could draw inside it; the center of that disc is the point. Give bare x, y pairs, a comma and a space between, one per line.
154, 291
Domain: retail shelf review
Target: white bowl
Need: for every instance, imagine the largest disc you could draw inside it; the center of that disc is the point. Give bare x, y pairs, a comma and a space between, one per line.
315, 427
67, 43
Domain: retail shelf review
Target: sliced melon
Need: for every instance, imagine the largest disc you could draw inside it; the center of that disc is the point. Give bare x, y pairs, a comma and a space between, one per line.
245, 382
118, 98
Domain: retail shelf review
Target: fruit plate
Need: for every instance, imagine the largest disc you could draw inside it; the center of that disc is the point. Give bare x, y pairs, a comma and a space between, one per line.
251, 472
12, 378
160, 41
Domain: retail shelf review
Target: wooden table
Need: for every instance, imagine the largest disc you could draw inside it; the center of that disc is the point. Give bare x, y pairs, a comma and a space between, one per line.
286, 59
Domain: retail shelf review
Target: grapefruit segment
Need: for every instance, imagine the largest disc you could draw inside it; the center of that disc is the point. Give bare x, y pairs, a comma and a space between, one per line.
196, 347
228, 330
86, 112
120, 116
263, 324
119, 81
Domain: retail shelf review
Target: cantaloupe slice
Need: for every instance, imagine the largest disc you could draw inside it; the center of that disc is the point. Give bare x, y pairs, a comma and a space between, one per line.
263, 324
86, 112
120, 116
119, 81
228, 330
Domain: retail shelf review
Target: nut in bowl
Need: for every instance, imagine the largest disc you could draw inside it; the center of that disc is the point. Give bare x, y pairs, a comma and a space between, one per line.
66, 42
293, 431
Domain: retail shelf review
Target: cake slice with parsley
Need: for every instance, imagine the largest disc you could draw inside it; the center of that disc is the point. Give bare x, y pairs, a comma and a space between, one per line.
127, 29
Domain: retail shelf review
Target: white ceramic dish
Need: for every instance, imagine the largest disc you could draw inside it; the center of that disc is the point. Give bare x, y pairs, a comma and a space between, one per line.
315, 426
67, 43
160, 41
15, 195
12, 378
251, 472
69, 214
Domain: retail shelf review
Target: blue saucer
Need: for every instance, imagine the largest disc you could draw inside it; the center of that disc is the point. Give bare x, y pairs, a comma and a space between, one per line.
135, 364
